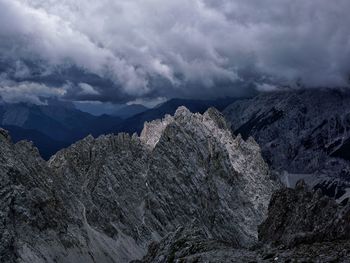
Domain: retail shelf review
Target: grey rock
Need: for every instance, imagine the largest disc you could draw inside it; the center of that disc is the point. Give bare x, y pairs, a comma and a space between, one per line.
304, 134
190, 245
193, 245
302, 226
298, 216
34, 213
107, 199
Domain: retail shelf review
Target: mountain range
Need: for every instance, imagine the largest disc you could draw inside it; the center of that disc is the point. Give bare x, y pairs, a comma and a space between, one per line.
263, 181
57, 125
135, 123
107, 199
129, 111
304, 134
52, 127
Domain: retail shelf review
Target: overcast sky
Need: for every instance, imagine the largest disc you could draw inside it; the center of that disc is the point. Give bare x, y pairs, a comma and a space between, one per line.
135, 50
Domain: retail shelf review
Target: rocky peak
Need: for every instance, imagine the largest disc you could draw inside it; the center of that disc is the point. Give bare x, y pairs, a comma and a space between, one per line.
117, 193
153, 130
198, 152
299, 216
182, 111
217, 117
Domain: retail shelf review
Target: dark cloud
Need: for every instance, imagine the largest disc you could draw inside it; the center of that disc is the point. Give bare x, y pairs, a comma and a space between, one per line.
119, 51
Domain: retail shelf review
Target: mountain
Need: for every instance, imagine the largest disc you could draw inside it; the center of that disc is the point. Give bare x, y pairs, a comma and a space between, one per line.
57, 125
301, 226
108, 199
304, 134
130, 110
52, 126
299, 216
46, 145
185, 190
135, 123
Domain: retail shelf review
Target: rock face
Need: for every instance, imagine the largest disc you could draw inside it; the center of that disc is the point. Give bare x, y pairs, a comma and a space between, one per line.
302, 226
298, 216
34, 212
107, 199
306, 226
194, 245
185, 190
303, 134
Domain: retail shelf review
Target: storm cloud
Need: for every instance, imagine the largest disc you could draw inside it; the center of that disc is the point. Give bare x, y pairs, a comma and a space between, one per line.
144, 49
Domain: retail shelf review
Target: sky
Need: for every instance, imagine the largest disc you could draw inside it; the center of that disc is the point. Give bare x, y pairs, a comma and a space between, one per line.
146, 51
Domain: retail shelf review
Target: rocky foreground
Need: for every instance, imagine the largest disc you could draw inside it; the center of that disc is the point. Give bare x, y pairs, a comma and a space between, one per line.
186, 190
302, 226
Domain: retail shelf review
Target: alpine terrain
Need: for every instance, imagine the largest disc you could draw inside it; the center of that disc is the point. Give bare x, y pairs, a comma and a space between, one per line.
108, 199
304, 134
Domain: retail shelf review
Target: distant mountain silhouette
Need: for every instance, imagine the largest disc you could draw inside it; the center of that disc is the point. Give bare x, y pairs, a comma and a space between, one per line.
46, 145
52, 127
57, 125
130, 110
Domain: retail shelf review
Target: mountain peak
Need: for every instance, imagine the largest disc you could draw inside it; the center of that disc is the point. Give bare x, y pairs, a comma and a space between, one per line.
110, 197
126, 183
216, 116
153, 130
212, 119
182, 111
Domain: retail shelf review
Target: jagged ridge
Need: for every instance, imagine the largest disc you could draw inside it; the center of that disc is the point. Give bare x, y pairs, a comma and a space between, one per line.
118, 193
304, 134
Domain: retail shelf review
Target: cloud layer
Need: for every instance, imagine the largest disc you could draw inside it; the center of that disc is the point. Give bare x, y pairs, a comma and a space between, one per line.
126, 50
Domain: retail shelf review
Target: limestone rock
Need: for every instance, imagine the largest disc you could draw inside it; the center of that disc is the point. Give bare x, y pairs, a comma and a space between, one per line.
302, 226
304, 134
107, 199
299, 216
